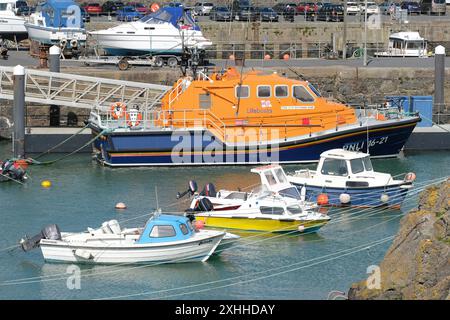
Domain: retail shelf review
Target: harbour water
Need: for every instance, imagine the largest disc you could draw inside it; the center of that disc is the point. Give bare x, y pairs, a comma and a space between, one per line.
259, 266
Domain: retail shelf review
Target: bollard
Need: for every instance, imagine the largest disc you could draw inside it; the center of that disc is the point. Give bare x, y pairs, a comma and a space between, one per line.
19, 112
54, 61
439, 80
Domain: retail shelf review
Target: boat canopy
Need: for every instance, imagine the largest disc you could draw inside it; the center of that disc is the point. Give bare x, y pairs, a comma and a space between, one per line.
60, 13
166, 228
406, 36
177, 16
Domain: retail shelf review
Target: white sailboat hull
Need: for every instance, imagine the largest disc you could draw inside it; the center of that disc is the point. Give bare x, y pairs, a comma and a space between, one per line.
198, 248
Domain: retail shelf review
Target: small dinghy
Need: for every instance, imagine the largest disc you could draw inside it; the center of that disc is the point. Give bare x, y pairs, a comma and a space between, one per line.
276, 207
163, 239
12, 171
347, 178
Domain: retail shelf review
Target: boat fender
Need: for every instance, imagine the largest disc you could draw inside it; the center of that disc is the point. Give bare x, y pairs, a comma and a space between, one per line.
84, 254
118, 110
344, 198
384, 197
322, 199
63, 42
301, 228
410, 177
73, 43
199, 224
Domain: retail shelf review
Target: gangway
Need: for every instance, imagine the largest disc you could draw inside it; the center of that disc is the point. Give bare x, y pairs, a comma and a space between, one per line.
71, 90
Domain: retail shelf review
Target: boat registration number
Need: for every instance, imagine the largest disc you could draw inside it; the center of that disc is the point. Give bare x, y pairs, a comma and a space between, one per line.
361, 145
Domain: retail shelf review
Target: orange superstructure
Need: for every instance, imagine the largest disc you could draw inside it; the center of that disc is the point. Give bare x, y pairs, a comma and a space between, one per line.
252, 107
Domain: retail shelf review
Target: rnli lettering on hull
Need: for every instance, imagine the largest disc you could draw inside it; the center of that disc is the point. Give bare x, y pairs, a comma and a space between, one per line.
254, 110
361, 145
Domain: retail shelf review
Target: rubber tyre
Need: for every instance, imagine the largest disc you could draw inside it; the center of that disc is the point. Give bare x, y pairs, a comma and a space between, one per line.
123, 64
172, 62
159, 62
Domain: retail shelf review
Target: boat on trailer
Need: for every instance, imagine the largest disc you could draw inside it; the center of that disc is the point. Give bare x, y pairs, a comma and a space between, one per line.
275, 206
347, 178
163, 239
253, 118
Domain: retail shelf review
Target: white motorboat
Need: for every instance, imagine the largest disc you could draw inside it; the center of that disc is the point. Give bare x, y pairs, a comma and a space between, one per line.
164, 239
405, 44
347, 178
57, 22
165, 31
276, 207
12, 27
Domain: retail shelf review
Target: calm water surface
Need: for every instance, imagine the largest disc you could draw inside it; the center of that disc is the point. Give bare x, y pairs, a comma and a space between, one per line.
83, 194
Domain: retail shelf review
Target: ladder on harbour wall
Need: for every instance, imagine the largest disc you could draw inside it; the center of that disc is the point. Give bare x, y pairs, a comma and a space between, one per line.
71, 90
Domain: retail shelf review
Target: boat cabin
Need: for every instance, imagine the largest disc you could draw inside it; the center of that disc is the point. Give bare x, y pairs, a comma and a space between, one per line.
343, 163
253, 107
274, 179
166, 228
176, 16
405, 44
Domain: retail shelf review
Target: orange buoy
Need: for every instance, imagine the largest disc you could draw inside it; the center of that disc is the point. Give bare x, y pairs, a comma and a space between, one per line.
121, 205
22, 163
322, 199
198, 224
380, 117
154, 7
267, 57
286, 56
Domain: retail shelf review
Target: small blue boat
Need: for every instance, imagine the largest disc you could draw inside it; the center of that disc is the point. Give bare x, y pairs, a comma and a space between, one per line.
347, 178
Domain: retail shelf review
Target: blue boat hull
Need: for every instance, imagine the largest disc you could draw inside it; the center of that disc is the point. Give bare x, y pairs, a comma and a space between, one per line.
195, 147
359, 197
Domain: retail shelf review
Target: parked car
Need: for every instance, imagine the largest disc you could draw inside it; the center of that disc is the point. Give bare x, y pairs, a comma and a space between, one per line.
331, 12
353, 8
110, 7
93, 8
141, 8
289, 13
128, 13
411, 6
175, 4
203, 8
387, 6
84, 15
267, 14
306, 7
433, 7
281, 7
220, 13
247, 14
372, 8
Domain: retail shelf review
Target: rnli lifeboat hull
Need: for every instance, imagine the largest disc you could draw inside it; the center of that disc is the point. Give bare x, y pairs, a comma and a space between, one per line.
167, 148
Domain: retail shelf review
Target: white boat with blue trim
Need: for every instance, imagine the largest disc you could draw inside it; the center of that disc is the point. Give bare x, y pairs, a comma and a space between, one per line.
347, 178
164, 239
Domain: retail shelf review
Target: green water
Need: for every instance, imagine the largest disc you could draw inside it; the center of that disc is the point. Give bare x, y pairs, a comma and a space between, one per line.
84, 193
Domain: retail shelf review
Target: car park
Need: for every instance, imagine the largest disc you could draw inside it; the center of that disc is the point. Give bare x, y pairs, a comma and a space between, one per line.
411, 6
433, 7
93, 8
128, 13
352, 8
247, 14
203, 8
141, 8
306, 8
110, 7
280, 8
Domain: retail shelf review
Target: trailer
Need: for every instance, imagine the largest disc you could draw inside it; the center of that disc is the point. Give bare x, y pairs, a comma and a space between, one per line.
124, 62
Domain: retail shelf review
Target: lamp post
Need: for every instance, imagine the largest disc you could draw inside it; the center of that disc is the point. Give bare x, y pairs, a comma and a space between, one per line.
365, 33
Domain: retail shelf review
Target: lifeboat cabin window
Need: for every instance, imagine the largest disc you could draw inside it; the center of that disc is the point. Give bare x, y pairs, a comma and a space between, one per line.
334, 167
281, 91
264, 92
300, 93
163, 231
271, 210
242, 92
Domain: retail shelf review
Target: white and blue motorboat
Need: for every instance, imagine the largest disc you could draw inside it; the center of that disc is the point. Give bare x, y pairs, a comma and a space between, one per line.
12, 26
165, 31
57, 22
163, 239
347, 178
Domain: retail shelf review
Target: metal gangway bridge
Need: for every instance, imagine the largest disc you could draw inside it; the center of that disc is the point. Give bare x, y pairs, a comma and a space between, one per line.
71, 90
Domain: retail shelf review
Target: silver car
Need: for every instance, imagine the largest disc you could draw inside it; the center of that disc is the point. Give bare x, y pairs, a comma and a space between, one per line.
203, 8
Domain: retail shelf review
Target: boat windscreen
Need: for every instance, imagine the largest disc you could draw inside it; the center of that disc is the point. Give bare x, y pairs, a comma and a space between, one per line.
313, 89
291, 192
367, 164
157, 17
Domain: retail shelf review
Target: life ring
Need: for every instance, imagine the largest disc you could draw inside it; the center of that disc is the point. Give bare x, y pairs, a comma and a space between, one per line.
118, 110
410, 177
133, 118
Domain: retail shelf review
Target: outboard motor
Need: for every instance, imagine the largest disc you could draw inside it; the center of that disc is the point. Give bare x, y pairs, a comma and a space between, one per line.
203, 205
209, 190
191, 190
50, 232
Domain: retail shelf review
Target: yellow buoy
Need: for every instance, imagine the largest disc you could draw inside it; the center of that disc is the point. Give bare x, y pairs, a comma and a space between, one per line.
120, 205
46, 184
